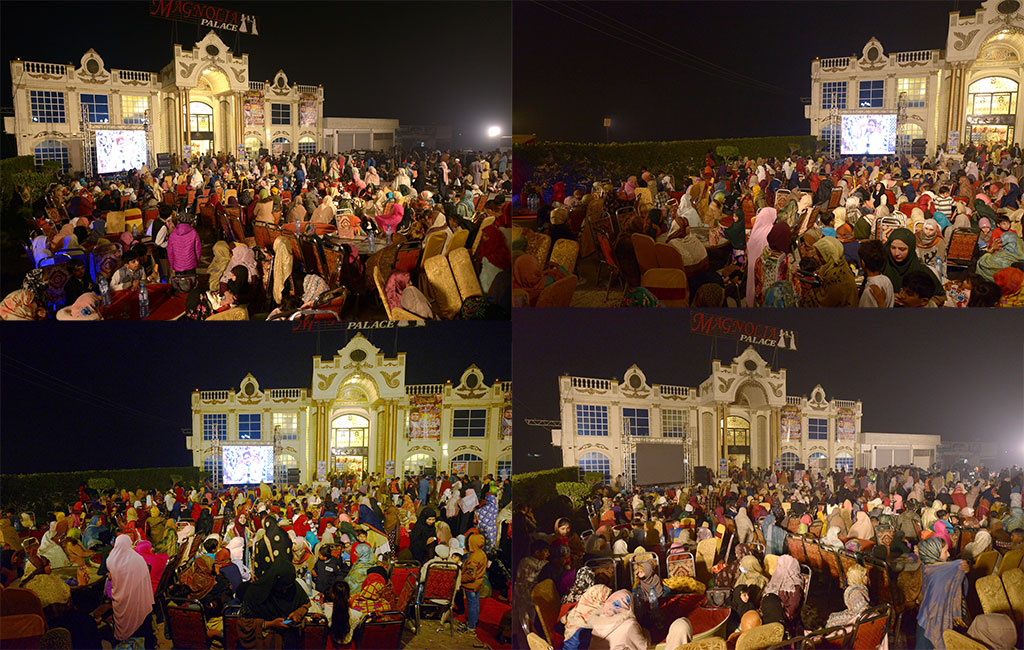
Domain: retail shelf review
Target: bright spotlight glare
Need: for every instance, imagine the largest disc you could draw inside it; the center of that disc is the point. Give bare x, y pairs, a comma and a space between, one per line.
493, 131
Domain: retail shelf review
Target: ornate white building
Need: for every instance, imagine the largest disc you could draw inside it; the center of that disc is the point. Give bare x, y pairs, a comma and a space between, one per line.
358, 414
202, 101
964, 93
740, 413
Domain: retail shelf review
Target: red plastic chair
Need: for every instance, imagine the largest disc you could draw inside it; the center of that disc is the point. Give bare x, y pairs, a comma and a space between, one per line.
187, 624
439, 591
381, 631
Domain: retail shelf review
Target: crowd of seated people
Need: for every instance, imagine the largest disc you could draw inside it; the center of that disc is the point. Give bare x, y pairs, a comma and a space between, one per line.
790, 231
289, 236
894, 557
319, 566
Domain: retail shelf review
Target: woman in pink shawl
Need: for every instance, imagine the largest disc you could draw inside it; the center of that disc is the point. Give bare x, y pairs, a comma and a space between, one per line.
242, 255
756, 244
155, 561
389, 222
132, 592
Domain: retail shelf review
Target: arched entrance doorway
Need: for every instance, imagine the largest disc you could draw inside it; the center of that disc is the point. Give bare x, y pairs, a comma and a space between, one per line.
200, 127
209, 114
737, 440
992, 110
349, 450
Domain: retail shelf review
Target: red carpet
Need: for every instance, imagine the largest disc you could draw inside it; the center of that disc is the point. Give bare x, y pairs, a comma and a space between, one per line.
491, 611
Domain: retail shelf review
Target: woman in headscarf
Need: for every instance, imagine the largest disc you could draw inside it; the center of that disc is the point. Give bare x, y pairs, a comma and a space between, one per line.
364, 562
272, 597
578, 619
686, 212
831, 538
584, 580
838, 287
774, 534
855, 597
862, 528
529, 278
616, 627
775, 263
788, 585
162, 533
680, 633
901, 249
648, 590
943, 591
237, 548
221, 257
282, 273
751, 573
28, 302
243, 256
423, 537
51, 550
1006, 253
132, 592
202, 581
274, 545
487, 518
931, 247
763, 224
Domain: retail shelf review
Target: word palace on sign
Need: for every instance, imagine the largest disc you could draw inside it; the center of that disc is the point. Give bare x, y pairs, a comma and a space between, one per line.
743, 331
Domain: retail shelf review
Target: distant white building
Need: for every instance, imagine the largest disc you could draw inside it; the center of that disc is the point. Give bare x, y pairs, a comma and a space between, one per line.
967, 92
740, 413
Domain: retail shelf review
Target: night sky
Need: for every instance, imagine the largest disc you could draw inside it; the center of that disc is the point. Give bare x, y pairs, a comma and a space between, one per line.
954, 372
116, 395
644, 72
420, 62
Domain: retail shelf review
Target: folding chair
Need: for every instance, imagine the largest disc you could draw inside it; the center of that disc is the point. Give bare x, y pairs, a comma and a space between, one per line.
668, 256
870, 629
443, 287
15, 600
432, 245
604, 571
186, 622
439, 592
992, 596
806, 572
963, 245
314, 633
781, 198
21, 630
761, 637
465, 274
564, 253
608, 261
380, 631
679, 563
558, 293
634, 564
458, 240
547, 603
538, 245
668, 286
643, 247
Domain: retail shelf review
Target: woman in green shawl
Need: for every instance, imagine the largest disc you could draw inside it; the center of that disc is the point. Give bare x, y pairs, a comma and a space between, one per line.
982, 209
901, 248
465, 208
838, 287
862, 226
1008, 253
357, 574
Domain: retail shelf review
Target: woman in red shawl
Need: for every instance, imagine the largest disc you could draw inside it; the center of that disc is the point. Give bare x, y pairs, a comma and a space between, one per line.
155, 561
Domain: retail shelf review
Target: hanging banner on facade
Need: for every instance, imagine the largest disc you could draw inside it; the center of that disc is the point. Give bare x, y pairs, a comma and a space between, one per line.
790, 423
205, 15
743, 331
307, 109
252, 107
389, 468
846, 425
506, 416
425, 416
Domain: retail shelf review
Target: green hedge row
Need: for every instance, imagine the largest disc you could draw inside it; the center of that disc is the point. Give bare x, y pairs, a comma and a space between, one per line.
45, 492
574, 162
536, 488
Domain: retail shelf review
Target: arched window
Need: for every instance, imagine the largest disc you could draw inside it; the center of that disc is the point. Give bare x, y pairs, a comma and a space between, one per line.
350, 430
281, 145
51, 150
252, 146
307, 145
505, 467
816, 460
789, 460
992, 96
907, 133
200, 117
844, 462
470, 464
416, 463
595, 461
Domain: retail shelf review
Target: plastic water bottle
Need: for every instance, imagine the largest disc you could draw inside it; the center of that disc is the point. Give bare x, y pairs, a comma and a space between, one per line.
104, 290
143, 301
135, 231
372, 241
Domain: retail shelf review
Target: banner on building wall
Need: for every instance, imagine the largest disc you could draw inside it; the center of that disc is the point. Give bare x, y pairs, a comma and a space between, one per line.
790, 423
205, 15
425, 416
506, 416
389, 468
321, 470
307, 109
252, 107
846, 425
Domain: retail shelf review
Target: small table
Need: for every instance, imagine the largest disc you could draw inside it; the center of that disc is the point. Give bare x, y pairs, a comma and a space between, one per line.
163, 305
